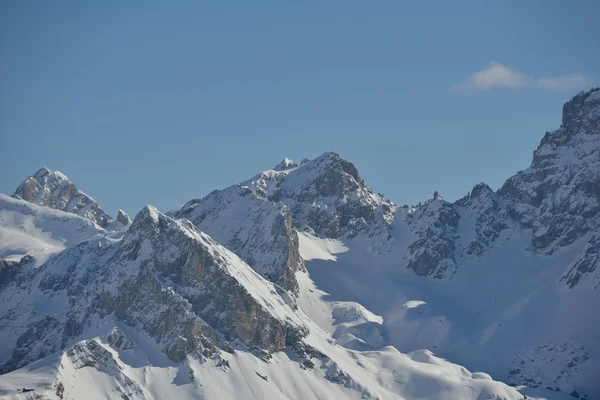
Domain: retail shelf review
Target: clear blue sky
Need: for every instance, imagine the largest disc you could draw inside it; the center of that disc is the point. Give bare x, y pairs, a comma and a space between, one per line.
159, 102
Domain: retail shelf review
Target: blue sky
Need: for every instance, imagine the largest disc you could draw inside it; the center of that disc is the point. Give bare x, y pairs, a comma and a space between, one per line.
158, 103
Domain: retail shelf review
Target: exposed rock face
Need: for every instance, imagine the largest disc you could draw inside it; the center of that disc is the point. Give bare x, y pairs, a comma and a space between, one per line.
257, 230
164, 277
434, 225
586, 265
327, 195
490, 216
558, 196
53, 189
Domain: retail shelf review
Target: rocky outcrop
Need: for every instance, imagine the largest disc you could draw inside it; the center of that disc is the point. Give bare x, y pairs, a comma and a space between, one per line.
585, 266
53, 189
328, 196
434, 225
558, 196
490, 217
123, 218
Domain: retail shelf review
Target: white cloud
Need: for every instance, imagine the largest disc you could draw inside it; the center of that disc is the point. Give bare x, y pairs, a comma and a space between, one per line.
563, 82
498, 75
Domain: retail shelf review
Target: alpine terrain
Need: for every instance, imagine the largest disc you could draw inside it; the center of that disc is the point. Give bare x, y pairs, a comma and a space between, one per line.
303, 283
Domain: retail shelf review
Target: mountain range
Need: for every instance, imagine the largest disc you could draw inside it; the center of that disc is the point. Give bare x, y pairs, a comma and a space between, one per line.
301, 282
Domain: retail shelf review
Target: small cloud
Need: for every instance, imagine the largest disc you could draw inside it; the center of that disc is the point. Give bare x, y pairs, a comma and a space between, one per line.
563, 82
498, 75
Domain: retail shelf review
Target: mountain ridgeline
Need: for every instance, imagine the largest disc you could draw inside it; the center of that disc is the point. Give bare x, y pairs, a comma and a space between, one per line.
303, 274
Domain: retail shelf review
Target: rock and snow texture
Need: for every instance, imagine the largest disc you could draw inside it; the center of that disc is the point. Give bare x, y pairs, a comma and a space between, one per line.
166, 310
558, 196
257, 230
164, 277
28, 229
98, 368
311, 285
53, 189
515, 272
256, 218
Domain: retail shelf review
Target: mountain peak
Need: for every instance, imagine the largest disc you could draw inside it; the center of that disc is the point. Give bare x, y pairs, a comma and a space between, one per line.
285, 164
480, 189
582, 109
53, 189
123, 217
149, 213
337, 162
42, 172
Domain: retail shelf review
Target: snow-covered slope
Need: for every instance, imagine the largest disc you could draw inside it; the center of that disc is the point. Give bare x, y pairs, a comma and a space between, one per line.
168, 311
28, 229
130, 366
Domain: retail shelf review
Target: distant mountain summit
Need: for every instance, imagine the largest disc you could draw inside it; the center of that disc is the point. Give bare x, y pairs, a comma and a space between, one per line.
258, 219
557, 199
54, 189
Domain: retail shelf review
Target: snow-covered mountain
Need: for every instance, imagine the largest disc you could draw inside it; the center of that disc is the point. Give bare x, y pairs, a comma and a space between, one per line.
301, 282
166, 309
53, 189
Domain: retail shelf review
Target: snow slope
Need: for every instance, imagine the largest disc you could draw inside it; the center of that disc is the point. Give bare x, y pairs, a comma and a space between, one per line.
506, 313
27, 229
109, 318
96, 369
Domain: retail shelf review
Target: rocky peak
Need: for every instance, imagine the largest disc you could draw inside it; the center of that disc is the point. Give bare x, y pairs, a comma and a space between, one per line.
123, 218
335, 162
148, 214
328, 197
582, 111
41, 173
285, 164
558, 195
146, 224
54, 189
481, 189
